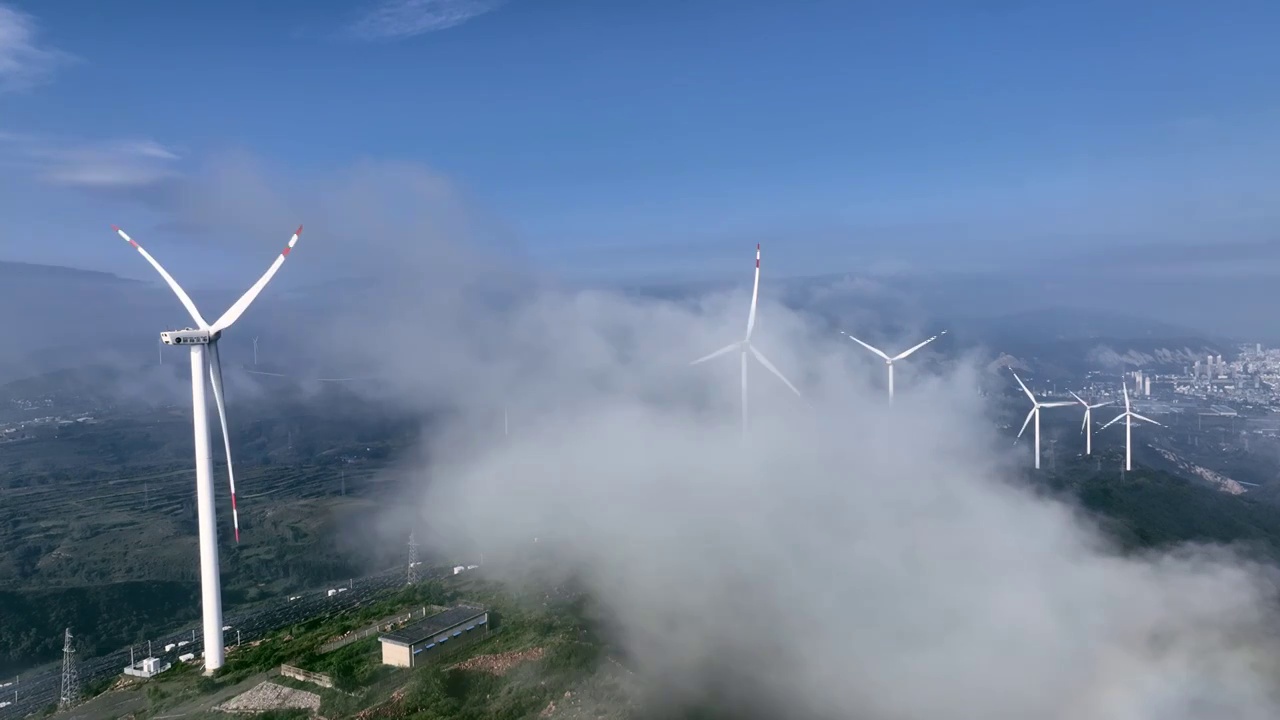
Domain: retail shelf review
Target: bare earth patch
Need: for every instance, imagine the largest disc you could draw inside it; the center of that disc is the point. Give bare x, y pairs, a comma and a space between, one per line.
270, 696
501, 663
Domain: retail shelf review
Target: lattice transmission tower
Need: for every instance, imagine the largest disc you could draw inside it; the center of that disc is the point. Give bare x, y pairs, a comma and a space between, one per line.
70, 678
412, 576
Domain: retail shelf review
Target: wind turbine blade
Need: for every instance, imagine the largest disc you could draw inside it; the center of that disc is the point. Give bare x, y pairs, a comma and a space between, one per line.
1026, 422
755, 296
1024, 385
1136, 416
1113, 421
1077, 397
908, 351
875, 350
1125, 386
769, 366
215, 375
1085, 421
726, 349
1057, 403
1101, 404
234, 312
173, 284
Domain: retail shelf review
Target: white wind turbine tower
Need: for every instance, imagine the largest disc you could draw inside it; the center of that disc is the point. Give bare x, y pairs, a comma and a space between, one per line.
1128, 416
202, 363
1086, 427
889, 361
1036, 405
745, 346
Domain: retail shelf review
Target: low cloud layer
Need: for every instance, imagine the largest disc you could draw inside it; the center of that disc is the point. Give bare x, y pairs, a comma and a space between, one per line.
848, 561
854, 562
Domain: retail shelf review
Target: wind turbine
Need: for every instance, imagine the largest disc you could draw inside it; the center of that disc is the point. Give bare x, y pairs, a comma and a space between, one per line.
1128, 416
202, 363
746, 347
1036, 406
1086, 427
889, 361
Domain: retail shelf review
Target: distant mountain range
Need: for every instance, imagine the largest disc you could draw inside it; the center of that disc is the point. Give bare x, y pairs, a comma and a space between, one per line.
58, 317
20, 273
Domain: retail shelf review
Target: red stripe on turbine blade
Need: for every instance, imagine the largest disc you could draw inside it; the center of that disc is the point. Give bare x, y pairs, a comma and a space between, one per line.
298, 231
285, 252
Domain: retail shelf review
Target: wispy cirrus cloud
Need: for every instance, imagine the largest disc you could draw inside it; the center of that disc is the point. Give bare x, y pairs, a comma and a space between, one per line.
103, 165
24, 61
398, 19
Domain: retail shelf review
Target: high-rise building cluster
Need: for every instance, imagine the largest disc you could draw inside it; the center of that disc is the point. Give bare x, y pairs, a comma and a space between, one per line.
1250, 377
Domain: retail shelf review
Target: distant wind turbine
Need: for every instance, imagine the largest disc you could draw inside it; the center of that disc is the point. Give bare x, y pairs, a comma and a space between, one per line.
1086, 427
889, 361
1128, 416
306, 379
1036, 406
745, 347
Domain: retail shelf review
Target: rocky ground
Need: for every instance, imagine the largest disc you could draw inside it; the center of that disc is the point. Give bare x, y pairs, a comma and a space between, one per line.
501, 663
270, 696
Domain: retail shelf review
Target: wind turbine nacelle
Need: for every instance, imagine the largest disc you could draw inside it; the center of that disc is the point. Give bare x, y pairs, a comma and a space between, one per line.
186, 337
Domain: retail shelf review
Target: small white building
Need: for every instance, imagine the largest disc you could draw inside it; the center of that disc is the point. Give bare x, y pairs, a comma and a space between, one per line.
147, 667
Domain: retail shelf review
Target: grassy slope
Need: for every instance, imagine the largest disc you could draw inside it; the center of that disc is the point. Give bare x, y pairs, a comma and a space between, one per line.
99, 517
571, 656
1149, 509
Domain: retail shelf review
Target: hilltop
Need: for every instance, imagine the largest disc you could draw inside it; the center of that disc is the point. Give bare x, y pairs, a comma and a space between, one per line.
545, 657
552, 653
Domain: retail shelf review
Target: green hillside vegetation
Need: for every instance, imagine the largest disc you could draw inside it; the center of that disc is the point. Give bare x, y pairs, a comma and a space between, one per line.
1146, 509
544, 647
111, 616
98, 521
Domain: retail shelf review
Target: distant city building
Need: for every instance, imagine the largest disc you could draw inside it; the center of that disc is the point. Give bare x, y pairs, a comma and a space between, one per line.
435, 635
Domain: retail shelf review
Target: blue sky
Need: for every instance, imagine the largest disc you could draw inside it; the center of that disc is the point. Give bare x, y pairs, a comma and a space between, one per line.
608, 138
